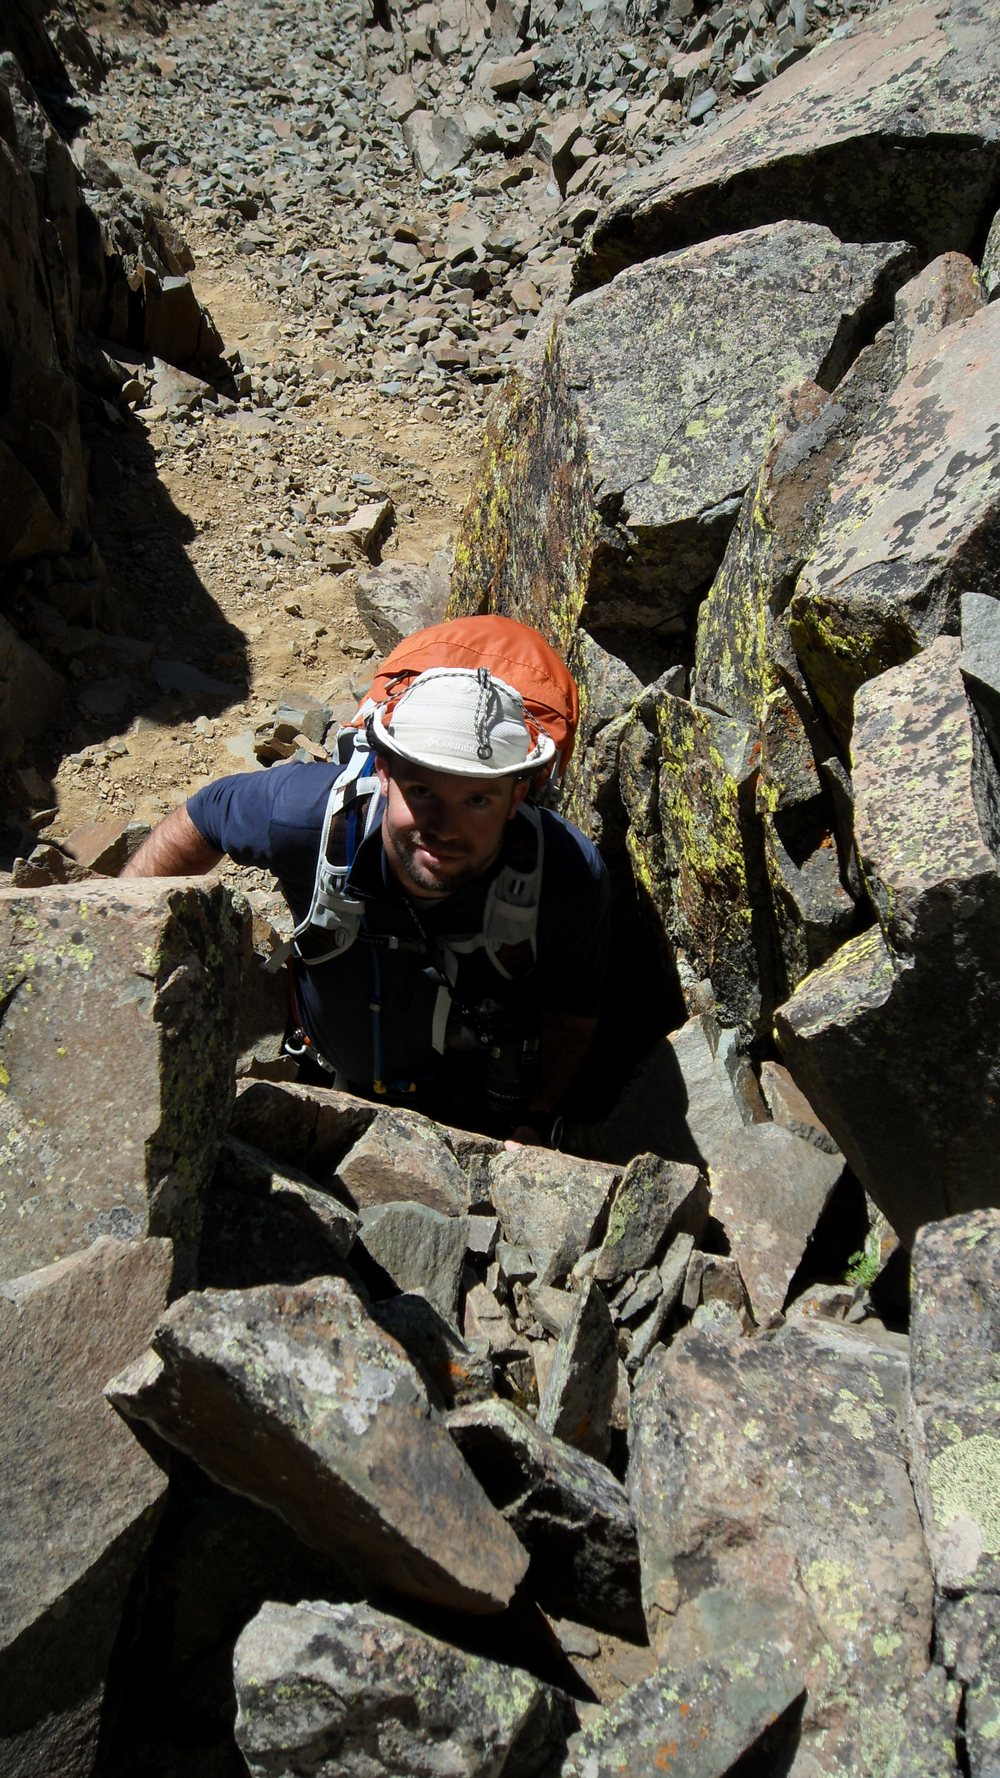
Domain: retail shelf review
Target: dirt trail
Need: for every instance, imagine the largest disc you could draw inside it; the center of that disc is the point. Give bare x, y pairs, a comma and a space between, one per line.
194, 502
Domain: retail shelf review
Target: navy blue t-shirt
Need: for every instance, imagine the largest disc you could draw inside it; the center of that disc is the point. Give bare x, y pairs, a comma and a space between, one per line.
273, 819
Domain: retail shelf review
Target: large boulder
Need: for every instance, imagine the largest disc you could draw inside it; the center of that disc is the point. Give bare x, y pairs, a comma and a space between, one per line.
913, 521
116, 1055
749, 1459
344, 1691
297, 1398
79, 1497
659, 389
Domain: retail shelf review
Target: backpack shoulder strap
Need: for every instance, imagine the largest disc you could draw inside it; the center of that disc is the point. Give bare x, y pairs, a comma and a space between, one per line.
510, 917
353, 810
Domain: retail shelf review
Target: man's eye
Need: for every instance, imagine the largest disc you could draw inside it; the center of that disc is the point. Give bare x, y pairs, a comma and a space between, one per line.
478, 802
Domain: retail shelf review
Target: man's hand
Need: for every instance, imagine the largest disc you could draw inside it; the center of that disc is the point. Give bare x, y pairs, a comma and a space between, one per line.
175, 848
546, 1133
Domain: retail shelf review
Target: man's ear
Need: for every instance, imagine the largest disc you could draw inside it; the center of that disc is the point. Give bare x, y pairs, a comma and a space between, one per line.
382, 772
521, 789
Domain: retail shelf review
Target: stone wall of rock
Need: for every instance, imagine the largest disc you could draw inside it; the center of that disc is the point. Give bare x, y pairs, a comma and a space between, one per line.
758, 458
88, 270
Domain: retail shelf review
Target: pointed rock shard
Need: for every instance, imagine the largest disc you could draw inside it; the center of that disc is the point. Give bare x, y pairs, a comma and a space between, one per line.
882, 132
769, 1190
78, 1494
748, 1460
657, 1199
345, 1691
579, 1393
298, 1399
567, 1509
116, 1053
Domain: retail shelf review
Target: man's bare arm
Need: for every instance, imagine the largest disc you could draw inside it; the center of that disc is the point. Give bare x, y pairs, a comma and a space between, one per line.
175, 848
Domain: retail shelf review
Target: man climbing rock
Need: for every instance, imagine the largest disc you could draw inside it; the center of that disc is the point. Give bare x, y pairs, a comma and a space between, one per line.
450, 936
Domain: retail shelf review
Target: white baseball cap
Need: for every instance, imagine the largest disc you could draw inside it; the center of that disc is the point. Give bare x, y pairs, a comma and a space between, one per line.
462, 720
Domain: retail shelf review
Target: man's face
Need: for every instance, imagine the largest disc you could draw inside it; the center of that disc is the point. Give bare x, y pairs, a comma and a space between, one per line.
440, 830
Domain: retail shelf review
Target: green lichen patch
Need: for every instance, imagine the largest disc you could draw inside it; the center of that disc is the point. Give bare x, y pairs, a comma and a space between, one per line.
964, 1482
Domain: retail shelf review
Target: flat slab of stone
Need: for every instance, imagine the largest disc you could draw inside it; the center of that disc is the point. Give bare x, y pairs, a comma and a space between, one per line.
295, 1397
345, 1691
912, 520
748, 1460
116, 1055
77, 1493
879, 133
676, 367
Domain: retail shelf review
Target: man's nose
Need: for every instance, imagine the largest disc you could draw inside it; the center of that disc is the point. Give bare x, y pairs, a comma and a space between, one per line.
441, 818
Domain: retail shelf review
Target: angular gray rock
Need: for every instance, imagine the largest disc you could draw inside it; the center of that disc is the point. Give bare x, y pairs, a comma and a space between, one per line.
298, 1399
312, 1127
549, 1203
437, 141
980, 662
676, 367
79, 1497
348, 1692
655, 1201
769, 1190
403, 1156
419, 1248
686, 1096
569, 1512
893, 1041
790, 1108
116, 1053
909, 527
748, 1459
